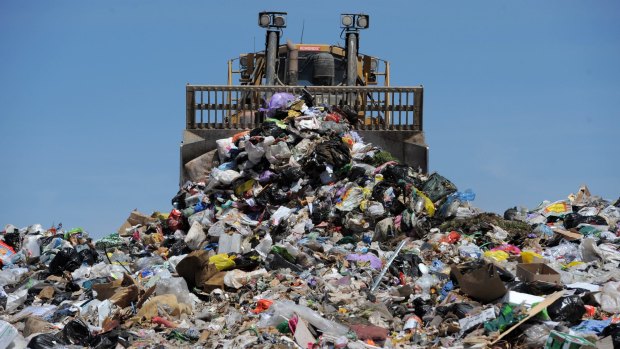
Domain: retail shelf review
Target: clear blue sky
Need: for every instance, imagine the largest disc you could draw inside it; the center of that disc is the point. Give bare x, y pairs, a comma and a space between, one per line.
522, 98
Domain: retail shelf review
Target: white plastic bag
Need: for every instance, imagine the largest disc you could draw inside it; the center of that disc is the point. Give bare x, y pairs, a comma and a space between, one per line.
224, 146
195, 236
609, 297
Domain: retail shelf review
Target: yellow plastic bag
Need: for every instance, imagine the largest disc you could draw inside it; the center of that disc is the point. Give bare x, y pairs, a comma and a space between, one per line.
244, 187
572, 264
428, 204
530, 256
498, 256
222, 261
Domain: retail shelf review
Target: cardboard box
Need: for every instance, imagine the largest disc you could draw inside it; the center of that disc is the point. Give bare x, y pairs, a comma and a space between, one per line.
558, 340
538, 272
482, 283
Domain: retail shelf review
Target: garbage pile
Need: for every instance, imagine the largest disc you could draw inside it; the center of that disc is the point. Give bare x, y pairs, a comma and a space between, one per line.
301, 235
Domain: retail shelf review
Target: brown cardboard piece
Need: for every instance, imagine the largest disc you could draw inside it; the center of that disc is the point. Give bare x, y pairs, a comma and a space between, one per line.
135, 218
568, 235
482, 284
538, 272
107, 290
167, 302
535, 310
216, 281
124, 296
195, 269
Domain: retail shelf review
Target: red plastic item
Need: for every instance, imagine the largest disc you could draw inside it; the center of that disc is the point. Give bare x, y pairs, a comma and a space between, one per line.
590, 311
401, 277
161, 321
175, 221
452, 238
332, 117
262, 305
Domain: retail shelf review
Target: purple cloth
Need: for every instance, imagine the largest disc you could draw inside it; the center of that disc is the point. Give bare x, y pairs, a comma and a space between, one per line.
374, 261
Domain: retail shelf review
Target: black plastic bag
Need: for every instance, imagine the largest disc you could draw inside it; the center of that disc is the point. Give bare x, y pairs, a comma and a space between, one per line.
537, 288
398, 172
77, 332
89, 256
289, 175
66, 259
422, 307
438, 187
569, 309
459, 309
109, 340
387, 193
46, 341
407, 264
572, 220
179, 248
613, 330
278, 262
178, 201
13, 239
333, 152
321, 212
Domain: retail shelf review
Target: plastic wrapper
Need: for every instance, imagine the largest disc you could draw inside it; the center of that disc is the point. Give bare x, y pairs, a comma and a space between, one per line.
535, 336
351, 199
282, 310
7, 334
237, 278
11, 276
176, 286
609, 297
565, 251
470, 251
278, 153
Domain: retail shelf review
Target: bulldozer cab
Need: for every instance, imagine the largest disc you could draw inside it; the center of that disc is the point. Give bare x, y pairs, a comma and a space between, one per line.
318, 65
388, 116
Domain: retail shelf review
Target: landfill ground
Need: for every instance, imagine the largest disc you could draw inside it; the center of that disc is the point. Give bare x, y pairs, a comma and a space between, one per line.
298, 234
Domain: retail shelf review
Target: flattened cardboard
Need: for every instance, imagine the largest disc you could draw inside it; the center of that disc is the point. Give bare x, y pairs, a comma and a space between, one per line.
107, 290
482, 284
538, 272
135, 218
568, 235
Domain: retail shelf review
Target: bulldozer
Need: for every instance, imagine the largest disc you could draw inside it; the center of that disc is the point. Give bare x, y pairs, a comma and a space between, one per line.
387, 116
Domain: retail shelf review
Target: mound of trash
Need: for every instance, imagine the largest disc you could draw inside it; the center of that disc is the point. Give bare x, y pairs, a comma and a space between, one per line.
300, 234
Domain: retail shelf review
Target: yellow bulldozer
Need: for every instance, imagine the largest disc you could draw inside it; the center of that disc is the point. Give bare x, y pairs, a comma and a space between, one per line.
388, 116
